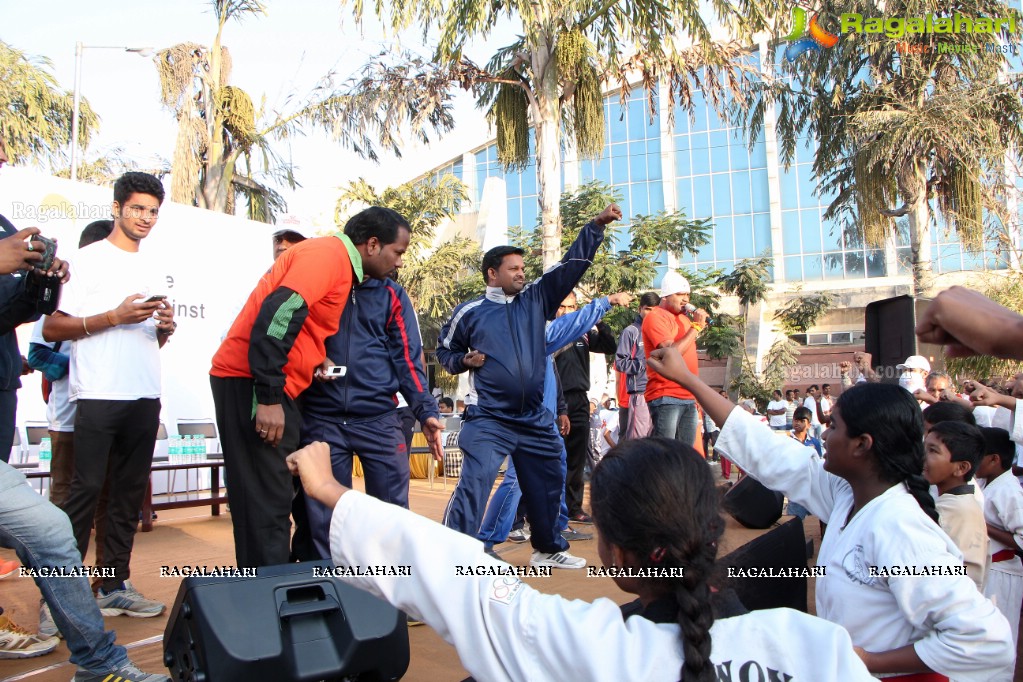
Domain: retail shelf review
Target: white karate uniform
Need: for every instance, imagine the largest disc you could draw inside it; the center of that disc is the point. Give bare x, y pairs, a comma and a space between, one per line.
953, 628
1003, 508
505, 630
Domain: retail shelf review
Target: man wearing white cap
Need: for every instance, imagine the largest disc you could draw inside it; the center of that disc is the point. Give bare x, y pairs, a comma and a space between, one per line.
672, 408
913, 373
285, 239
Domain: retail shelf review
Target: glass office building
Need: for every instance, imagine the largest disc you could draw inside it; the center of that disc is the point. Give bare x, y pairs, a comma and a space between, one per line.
700, 164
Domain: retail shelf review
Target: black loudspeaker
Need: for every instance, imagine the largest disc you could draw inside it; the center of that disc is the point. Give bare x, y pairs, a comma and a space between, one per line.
752, 504
782, 548
890, 335
285, 625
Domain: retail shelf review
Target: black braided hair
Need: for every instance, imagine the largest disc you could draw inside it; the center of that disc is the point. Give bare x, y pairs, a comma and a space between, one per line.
655, 497
891, 416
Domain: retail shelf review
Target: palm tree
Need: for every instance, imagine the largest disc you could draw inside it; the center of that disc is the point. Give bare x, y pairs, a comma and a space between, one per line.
224, 147
905, 129
35, 113
436, 277
551, 78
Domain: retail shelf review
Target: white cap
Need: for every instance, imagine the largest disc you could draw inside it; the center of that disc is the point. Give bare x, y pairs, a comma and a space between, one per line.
674, 283
915, 362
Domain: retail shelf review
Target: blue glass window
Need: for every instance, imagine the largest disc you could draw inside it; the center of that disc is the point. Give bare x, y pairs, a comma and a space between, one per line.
682, 165
701, 154
793, 268
741, 197
722, 194
762, 232
812, 268
791, 239
702, 197
684, 198
761, 195
810, 225
745, 246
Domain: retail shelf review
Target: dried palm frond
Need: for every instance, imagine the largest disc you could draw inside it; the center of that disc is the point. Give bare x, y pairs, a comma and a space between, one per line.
177, 67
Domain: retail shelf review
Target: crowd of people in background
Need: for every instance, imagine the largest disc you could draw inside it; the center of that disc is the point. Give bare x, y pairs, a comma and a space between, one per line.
325, 361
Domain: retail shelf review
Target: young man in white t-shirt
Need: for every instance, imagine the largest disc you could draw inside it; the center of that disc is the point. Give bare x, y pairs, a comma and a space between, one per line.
116, 321
810, 403
776, 410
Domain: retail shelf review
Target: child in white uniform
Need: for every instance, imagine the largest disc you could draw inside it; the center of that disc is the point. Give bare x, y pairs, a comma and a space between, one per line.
1003, 511
952, 452
661, 497
881, 526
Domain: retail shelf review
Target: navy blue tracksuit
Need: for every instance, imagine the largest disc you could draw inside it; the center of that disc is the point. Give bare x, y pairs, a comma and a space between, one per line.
504, 410
378, 341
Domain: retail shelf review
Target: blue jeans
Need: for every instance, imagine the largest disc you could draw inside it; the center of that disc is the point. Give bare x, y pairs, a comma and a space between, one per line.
674, 418
500, 516
41, 535
798, 510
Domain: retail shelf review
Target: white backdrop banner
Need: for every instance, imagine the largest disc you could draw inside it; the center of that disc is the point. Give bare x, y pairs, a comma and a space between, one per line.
210, 263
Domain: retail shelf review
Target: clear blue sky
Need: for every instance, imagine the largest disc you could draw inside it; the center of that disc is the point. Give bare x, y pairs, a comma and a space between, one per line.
277, 56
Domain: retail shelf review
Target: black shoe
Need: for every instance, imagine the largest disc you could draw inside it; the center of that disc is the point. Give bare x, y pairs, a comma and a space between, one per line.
572, 535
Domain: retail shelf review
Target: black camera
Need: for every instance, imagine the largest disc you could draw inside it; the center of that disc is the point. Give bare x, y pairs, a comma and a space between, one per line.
48, 253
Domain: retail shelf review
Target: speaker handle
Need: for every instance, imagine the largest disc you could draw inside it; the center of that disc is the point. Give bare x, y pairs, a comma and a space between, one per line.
326, 605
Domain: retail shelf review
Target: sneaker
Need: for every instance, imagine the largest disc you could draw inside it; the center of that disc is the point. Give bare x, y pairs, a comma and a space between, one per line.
520, 535
557, 560
582, 517
47, 627
128, 672
127, 602
8, 568
572, 535
17, 642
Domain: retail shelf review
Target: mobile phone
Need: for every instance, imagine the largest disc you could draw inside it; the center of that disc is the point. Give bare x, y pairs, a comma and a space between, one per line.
336, 371
49, 252
154, 299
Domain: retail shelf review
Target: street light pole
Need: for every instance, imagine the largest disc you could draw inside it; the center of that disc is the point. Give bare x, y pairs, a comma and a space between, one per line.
79, 48
74, 112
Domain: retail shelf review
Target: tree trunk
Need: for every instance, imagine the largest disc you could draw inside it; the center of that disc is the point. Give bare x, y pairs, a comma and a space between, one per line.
217, 178
548, 176
546, 109
920, 236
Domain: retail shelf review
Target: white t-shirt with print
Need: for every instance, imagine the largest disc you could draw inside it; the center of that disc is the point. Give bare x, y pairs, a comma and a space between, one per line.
123, 362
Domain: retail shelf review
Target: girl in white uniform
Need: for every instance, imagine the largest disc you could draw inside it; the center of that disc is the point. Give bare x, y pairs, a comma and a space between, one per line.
660, 498
881, 526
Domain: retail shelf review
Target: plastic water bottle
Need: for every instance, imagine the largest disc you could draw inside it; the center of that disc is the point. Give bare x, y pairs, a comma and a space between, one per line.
174, 450
201, 448
187, 449
45, 454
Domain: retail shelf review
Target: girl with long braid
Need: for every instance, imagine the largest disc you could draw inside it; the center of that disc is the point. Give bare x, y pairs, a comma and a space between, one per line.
656, 510
893, 578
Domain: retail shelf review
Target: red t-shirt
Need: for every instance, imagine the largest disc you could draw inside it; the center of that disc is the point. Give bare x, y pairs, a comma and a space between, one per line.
320, 271
662, 325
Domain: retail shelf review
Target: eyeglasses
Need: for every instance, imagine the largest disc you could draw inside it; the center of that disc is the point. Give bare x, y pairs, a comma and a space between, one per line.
136, 211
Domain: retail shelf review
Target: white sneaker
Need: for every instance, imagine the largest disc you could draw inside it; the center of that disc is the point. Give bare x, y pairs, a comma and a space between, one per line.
521, 535
557, 560
17, 642
47, 628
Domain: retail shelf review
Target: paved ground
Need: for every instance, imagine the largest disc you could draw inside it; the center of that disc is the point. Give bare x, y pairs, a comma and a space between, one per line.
192, 536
